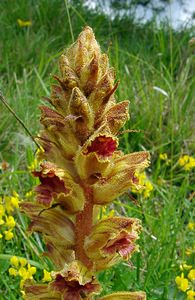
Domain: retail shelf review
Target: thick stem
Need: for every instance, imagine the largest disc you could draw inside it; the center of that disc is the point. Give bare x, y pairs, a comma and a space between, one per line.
84, 221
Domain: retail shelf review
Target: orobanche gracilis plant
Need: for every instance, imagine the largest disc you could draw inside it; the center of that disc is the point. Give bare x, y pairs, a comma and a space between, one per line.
81, 170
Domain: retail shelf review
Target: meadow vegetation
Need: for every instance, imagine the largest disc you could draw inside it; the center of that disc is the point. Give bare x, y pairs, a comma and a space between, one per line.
155, 66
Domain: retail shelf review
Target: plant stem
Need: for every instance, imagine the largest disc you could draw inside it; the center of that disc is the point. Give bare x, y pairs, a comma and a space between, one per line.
84, 221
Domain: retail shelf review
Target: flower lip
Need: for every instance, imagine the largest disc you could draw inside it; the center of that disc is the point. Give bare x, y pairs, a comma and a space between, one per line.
123, 245
102, 145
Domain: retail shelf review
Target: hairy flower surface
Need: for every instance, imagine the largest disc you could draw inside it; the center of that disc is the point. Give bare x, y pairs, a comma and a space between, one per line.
80, 169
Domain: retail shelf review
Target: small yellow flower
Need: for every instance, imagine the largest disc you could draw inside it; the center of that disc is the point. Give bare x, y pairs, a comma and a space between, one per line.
22, 23
2, 211
191, 226
1, 221
163, 156
1, 236
191, 275
46, 276
23, 261
23, 273
190, 295
13, 272
31, 270
29, 194
10, 222
182, 282
15, 201
14, 261
22, 283
8, 235
187, 162
185, 267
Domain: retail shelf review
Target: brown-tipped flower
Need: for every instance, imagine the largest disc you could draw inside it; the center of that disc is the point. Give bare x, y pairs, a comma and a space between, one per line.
73, 282
112, 239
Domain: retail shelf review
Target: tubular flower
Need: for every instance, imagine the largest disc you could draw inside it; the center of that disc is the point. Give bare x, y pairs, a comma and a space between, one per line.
81, 170
112, 239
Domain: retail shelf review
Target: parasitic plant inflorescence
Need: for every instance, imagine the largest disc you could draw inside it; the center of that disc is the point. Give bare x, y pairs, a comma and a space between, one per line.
81, 171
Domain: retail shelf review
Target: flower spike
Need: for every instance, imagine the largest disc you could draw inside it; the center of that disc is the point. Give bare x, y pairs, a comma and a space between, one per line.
81, 169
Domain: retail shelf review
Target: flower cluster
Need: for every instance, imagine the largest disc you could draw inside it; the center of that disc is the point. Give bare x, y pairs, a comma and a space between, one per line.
187, 162
8, 204
81, 170
186, 281
187, 284
22, 269
143, 185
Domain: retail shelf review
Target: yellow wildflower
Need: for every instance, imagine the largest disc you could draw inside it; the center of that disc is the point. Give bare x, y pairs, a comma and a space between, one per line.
182, 282
12, 272
8, 205
46, 276
1, 221
163, 156
105, 213
187, 162
191, 275
2, 211
191, 226
15, 200
1, 236
29, 194
22, 261
23, 272
190, 295
144, 186
14, 261
31, 270
22, 283
22, 23
10, 222
185, 267
8, 235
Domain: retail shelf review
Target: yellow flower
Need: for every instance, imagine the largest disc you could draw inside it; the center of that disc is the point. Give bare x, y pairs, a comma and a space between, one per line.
1, 221
31, 270
191, 226
23, 272
185, 267
14, 261
183, 160
187, 162
191, 274
163, 156
144, 186
182, 282
105, 213
15, 200
190, 295
2, 211
8, 235
1, 236
13, 272
22, 23
47, 276
22, 261
8, 205
10, 222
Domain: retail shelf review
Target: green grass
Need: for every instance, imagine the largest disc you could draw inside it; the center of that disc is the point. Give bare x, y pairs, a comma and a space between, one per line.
156, 71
